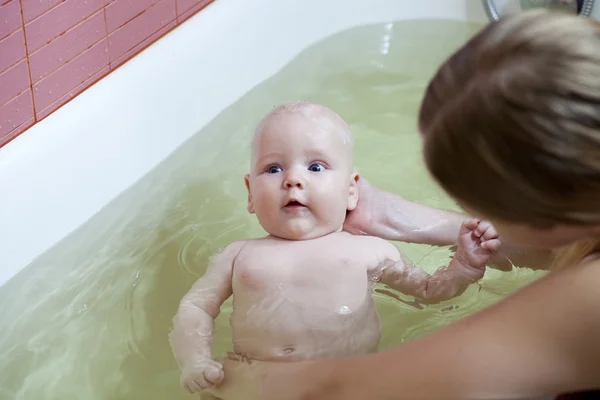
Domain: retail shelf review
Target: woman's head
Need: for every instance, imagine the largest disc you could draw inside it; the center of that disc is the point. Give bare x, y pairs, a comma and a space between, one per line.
511, 124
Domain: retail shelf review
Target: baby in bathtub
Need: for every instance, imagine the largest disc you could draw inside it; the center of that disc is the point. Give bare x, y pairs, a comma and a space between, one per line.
304, 291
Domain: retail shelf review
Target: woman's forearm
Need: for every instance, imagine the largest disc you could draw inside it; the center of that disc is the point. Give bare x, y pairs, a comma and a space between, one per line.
395, 218
529, 345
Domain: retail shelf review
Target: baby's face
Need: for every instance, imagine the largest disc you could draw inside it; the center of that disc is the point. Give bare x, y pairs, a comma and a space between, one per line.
301, 181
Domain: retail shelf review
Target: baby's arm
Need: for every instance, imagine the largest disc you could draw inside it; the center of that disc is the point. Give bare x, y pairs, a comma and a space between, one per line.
192, 335
466, 267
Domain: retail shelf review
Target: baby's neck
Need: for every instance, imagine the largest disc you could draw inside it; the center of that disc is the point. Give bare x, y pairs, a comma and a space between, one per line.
329, 234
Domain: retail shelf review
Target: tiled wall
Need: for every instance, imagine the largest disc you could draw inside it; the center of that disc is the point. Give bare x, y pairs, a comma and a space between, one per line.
51, 50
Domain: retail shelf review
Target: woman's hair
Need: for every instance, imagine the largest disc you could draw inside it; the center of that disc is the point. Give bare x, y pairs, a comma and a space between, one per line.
575, 253
511, 121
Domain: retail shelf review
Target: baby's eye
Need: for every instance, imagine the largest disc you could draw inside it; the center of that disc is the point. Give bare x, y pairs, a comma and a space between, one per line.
316, 167
274, 169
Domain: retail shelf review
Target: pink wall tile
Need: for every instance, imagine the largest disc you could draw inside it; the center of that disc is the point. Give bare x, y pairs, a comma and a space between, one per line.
15, 112
141, 27
13, 81
70, 75
67, 46
10, 18
15, 132
142, 45
34, 8
121, 11
12, 50
185, 6
72, 93
193, 6
64, 48
58, 20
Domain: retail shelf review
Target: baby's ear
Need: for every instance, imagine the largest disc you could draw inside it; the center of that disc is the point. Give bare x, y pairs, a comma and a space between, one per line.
353, 191
247, 182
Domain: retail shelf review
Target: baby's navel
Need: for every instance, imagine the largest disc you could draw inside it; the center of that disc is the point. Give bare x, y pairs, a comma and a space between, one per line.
343, 310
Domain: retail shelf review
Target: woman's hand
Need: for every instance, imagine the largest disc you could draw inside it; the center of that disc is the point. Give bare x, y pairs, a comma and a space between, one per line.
360, 220
257, 380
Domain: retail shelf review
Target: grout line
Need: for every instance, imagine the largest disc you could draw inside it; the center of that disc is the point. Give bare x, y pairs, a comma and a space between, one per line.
3, 138
83, 21
106, 37
208, 3
125, 23
109, 65
67, 62
92, 83
78, 83
18, 61
45, 12
19, 27
147, 45
97, 76
27, 60
165, 24
135, 16
12, 98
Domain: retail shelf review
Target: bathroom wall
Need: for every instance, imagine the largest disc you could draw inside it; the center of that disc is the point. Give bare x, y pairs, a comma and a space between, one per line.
52, 50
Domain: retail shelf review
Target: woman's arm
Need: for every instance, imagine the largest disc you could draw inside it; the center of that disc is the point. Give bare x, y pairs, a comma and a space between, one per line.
389, 216
543, 340
392, 217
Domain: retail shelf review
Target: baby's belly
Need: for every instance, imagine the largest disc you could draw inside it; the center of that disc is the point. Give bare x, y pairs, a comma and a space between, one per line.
277, 329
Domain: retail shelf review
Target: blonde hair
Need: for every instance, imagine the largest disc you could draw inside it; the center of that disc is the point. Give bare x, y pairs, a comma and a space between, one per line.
575, 253
512, 121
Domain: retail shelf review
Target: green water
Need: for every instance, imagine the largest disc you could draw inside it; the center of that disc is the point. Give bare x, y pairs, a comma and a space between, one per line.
89, 319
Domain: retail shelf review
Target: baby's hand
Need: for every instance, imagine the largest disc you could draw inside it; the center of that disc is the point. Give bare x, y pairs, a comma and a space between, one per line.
477, 242
204, 374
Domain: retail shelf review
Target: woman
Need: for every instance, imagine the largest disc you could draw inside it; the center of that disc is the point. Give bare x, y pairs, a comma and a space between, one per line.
511, 127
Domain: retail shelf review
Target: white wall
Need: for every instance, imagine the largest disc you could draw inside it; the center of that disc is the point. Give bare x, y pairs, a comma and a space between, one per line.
55, 176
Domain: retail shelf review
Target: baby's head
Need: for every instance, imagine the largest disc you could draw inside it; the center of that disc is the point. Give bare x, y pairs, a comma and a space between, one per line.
301, 179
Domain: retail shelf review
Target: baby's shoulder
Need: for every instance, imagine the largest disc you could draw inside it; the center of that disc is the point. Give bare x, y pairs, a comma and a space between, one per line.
261, 245
235, 247
374, 244
371, 240
229, 252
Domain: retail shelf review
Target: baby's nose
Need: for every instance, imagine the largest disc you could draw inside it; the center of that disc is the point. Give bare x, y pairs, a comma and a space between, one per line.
293, 180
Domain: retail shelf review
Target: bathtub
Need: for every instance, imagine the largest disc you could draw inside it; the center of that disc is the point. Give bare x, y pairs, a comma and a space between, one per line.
65, 171
60, 172
67, 168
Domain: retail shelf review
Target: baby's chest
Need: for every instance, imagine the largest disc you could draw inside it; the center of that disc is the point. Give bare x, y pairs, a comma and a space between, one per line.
297, 270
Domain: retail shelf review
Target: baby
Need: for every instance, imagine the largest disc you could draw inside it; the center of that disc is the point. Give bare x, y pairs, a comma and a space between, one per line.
304, 291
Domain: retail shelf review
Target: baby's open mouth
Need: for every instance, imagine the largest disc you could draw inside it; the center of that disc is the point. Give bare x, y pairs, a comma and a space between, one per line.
294, 204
